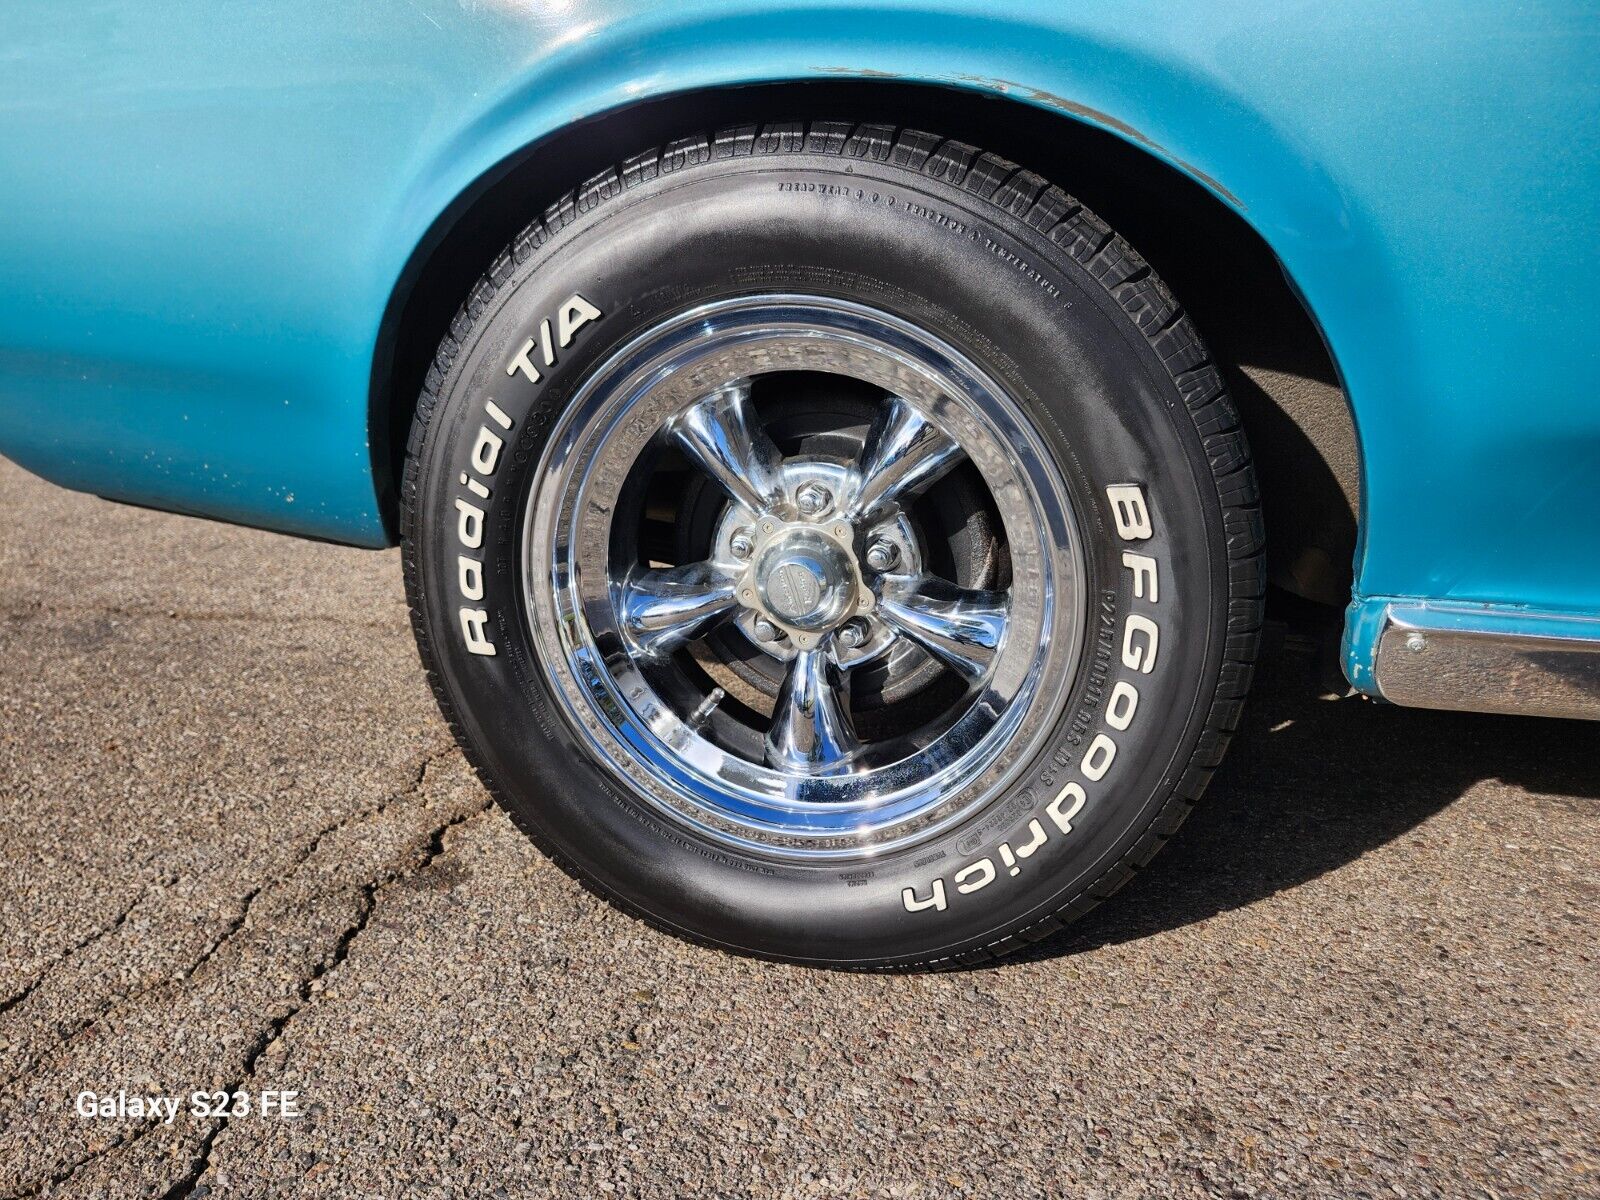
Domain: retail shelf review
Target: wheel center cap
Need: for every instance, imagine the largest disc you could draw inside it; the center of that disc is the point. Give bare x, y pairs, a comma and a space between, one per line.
794, 588
804, 580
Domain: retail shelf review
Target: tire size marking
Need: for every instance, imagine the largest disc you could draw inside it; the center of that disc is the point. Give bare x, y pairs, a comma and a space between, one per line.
484, 461
1141, 642
937, 218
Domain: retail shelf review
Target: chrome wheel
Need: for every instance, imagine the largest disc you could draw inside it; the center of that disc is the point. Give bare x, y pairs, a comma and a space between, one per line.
749, 605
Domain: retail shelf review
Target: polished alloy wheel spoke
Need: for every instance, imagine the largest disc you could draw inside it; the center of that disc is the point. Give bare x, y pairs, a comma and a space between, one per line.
962, 626
722, 436
811, 732
905, 453
721, 689
662, 609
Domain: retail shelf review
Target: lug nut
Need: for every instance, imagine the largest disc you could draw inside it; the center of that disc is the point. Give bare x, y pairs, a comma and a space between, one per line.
853, 634
813, 498
766, 631
742, 544
882, 554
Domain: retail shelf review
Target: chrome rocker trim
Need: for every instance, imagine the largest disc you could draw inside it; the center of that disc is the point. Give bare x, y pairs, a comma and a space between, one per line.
1474, 658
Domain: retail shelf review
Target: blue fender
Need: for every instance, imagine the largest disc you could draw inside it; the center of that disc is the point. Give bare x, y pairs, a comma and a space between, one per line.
208, 212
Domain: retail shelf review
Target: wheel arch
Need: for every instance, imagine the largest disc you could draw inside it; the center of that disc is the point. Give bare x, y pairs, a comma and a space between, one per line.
1196, 233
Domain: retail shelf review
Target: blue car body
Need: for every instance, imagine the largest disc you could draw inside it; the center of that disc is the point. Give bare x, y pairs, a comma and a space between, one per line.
207, 208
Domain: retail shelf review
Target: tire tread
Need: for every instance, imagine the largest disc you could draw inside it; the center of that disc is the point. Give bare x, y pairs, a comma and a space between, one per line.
1126, 277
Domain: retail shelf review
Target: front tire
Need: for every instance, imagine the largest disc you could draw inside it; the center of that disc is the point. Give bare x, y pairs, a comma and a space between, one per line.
834, 545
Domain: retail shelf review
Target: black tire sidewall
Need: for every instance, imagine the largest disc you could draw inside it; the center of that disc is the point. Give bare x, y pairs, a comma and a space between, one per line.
1035, 319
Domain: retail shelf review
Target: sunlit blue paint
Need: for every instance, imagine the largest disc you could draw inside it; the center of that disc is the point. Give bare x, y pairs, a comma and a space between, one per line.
206, 207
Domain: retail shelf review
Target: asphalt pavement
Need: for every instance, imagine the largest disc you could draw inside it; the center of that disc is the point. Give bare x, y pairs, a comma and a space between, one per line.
242, 855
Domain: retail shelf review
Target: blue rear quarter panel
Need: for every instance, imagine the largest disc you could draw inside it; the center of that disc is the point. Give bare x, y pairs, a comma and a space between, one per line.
206, 208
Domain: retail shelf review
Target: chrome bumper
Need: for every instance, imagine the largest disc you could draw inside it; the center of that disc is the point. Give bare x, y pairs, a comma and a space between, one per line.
1481, 659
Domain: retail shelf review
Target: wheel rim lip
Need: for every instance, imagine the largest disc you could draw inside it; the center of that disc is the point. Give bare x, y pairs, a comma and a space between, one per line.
731, 799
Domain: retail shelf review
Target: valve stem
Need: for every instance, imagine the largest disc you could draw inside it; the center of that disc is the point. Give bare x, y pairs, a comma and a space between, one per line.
705, 708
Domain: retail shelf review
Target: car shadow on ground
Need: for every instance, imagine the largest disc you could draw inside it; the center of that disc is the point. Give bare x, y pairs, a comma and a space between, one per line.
1312, 783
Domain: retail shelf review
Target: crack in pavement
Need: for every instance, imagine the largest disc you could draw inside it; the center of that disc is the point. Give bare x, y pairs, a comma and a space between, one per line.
65, 1040
430, 848
229, 929
60, 960
201, 1163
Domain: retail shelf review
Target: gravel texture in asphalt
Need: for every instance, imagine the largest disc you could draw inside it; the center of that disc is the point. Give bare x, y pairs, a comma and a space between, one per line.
242, 853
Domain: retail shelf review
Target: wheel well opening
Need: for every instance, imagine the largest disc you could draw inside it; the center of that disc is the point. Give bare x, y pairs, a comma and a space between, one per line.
1281, 374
